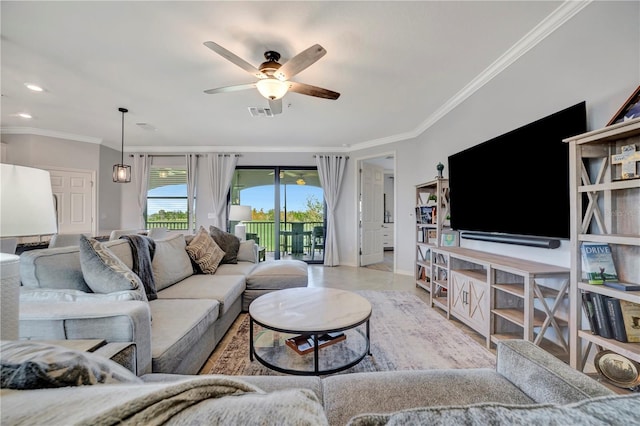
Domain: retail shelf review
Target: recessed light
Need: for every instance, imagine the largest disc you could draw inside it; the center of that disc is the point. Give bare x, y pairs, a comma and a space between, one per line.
24, 115
34, 87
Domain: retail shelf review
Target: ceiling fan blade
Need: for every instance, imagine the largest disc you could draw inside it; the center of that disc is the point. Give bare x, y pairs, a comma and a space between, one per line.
232, 57
307, 89
226, 89
276, 106
300, 62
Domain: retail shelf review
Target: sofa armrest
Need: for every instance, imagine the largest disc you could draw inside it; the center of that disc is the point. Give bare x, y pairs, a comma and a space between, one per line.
128, 321
543, 377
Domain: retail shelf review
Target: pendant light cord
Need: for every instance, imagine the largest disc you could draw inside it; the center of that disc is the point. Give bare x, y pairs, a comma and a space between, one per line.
122, 110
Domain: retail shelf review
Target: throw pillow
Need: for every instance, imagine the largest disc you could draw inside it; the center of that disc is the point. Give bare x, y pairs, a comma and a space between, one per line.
103, 271
33, 365
171, 263
205, 252
229, 243
247, 251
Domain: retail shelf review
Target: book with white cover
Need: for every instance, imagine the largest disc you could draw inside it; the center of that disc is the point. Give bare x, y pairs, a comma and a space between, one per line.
597, 263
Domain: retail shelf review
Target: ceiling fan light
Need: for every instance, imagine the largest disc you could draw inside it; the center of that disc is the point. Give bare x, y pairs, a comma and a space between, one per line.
301, 181
272, 88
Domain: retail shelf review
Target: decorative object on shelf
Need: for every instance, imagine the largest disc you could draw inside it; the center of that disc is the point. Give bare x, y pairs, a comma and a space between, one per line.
629, 110
617, 369
627, 159
449, 239
622, 286
122, 172
27, 209
440, 168
631, 319
597, 263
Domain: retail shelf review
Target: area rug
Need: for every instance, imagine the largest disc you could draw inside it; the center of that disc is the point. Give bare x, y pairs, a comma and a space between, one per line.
406, 334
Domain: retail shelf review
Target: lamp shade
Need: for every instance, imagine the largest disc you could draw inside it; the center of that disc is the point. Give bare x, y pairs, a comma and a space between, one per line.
240, 213
26, 202
26, 208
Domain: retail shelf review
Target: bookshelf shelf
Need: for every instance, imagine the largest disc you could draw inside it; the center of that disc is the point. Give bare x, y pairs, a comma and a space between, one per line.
604, 209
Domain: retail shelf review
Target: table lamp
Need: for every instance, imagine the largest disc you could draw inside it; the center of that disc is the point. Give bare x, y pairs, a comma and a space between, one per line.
239, 214
26, 209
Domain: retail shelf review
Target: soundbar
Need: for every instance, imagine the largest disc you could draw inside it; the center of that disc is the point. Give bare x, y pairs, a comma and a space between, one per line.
549, 243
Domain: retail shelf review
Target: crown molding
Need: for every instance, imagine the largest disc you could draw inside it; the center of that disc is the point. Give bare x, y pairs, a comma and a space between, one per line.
49, 133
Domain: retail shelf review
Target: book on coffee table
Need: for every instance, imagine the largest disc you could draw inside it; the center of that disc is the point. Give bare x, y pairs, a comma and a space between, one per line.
303, 344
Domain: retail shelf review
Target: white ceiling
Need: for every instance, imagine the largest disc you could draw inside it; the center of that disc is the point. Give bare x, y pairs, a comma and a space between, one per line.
398, 66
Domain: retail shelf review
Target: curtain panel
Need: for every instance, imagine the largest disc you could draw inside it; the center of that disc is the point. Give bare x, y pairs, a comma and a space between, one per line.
221, 168
331, 173
192, 181
141, 166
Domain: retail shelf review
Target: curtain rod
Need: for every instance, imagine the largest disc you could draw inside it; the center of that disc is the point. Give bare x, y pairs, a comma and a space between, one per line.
325, 155
182, 155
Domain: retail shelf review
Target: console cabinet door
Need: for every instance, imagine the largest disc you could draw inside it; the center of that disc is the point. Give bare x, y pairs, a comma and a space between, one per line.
459, 288
470, 301
478, 305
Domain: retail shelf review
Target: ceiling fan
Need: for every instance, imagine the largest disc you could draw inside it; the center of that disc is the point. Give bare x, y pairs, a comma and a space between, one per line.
274, 78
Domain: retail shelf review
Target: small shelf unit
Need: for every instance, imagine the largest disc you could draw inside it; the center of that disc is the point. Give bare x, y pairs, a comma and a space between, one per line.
431, 217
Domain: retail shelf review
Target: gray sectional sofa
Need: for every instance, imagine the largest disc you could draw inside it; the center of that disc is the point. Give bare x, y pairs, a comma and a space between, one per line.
174, 333
529, 386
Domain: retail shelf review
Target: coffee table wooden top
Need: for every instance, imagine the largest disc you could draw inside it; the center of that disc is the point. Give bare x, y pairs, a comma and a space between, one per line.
310, 309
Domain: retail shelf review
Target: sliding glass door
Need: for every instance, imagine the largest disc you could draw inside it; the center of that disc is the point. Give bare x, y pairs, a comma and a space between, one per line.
287, 210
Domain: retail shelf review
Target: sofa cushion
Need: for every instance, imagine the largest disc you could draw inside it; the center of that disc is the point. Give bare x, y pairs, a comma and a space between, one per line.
278, 274
171, 262
204, 252
104, 272
178, 326
240, 268
52, 268
621, 409
347, 395
226, 289
227, 242
33, 365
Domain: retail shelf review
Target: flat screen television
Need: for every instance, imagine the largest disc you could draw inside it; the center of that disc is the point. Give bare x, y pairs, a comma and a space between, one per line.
517, 184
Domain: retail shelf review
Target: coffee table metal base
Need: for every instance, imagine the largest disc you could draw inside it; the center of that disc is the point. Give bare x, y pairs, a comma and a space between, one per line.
276, 355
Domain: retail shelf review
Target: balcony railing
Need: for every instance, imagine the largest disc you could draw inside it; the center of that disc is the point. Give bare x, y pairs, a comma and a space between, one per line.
263, 230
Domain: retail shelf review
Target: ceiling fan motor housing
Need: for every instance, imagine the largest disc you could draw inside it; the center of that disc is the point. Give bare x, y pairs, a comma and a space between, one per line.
271, 64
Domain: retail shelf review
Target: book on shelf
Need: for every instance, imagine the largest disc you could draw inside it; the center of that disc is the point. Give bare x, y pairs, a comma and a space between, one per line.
589, 311
424, 214
597, 263
631, 319
602, 316
622, 286
615, 319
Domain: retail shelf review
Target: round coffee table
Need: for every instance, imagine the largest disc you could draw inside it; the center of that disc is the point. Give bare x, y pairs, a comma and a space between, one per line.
309, 331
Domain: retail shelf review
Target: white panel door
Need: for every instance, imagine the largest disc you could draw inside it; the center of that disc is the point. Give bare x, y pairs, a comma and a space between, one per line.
371, 214
73, 191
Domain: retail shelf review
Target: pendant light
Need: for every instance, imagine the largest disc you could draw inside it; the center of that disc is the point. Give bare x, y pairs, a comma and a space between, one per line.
122, 172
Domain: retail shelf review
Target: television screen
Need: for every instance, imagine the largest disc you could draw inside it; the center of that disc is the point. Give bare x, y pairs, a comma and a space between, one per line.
517, 183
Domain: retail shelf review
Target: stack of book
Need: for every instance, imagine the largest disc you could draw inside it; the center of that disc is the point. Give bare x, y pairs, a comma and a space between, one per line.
612, 318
